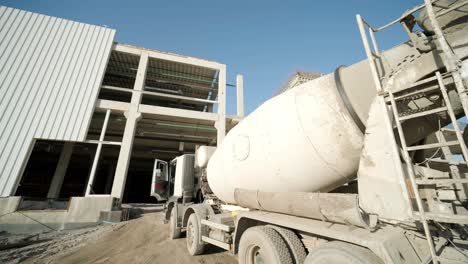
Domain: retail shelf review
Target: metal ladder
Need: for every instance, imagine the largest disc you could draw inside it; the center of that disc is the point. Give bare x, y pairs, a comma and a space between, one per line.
453, 167
453, 68
421, 214
446, 218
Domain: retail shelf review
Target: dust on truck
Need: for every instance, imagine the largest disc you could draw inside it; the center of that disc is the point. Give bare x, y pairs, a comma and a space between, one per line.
364, 165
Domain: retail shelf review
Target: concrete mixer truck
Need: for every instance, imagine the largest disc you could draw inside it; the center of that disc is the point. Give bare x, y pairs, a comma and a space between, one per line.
363, 165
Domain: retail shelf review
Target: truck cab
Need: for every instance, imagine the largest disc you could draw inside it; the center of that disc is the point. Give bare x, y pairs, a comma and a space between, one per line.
176, 179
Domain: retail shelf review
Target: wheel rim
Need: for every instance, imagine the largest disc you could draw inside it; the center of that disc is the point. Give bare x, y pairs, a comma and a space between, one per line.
255, 255
190, 234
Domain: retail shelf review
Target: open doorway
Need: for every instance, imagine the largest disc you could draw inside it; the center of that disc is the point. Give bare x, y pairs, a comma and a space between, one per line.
59, 170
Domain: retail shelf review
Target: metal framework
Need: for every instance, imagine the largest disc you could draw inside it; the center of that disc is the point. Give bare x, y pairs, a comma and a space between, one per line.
163, 76
453, 69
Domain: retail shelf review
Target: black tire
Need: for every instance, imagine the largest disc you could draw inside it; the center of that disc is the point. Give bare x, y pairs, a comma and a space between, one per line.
337, 252
193, 237
261, 244
174, 231
296, 248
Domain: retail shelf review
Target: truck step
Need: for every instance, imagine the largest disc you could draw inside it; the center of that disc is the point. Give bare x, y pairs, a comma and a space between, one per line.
449, 162
445, 218
440, 181
435, 145
446, 260
217, 243
226, 228
428, 85
423, 113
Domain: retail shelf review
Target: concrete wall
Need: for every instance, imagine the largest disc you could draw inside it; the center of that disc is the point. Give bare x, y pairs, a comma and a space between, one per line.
82, 212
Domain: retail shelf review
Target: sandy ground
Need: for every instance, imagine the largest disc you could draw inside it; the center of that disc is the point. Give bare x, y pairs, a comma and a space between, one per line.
142, 240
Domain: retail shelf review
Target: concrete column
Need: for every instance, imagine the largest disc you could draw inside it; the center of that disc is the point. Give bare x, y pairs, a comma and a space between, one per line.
209, 108
181, 146
132, 115
110, 177
92, 174
240, 95
60, 170
221, 123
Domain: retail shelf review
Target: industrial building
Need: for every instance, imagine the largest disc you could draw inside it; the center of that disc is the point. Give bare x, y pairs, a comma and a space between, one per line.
84, 117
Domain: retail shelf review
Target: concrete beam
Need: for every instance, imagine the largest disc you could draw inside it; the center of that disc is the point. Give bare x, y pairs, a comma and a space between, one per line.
175, 112
162, 95
168, 56
122, 107
115, 106
60, 171
129, 133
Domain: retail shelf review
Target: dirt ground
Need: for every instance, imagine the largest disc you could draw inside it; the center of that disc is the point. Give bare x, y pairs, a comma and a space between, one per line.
142, 240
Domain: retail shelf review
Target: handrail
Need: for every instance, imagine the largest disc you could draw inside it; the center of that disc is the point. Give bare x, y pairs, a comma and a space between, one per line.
403, 16
414, 9
376, 53
365, 41
452, 8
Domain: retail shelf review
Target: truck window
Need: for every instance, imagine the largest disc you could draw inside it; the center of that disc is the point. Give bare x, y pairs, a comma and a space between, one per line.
163, 175
172, 169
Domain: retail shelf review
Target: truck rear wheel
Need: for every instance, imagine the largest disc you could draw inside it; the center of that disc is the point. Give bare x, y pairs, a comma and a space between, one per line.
194, 244
295, 246
261, 244
337, 252
174, 231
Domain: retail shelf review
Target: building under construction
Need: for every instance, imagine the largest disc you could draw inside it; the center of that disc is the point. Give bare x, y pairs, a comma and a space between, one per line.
84, 117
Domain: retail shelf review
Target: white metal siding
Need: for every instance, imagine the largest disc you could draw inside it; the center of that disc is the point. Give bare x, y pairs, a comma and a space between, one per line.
50, 73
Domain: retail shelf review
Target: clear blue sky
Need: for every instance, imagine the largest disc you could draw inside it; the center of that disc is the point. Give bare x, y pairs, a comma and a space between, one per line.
265, 41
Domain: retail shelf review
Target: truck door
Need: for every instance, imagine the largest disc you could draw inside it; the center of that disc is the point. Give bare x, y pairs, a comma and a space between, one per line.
159, 182
184, 175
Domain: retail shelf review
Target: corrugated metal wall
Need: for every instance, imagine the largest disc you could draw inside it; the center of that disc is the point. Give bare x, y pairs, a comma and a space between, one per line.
50, 73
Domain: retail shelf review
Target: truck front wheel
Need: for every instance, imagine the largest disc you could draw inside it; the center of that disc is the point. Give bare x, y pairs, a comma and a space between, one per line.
261, 244
194, 244
174, 231
337, 252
